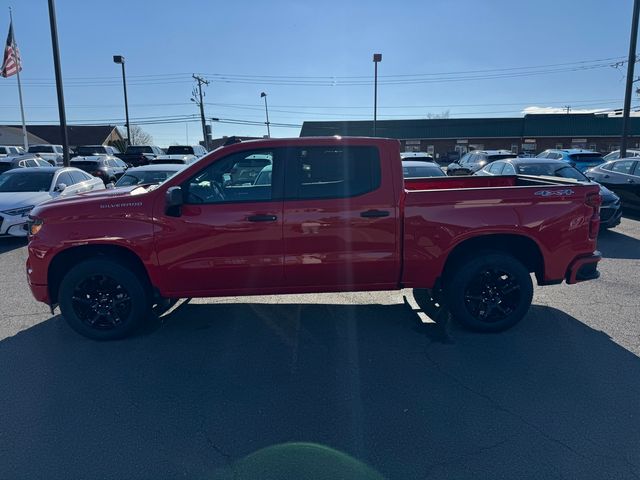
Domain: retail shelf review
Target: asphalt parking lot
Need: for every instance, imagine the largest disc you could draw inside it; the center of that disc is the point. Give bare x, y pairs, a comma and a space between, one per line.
369, 387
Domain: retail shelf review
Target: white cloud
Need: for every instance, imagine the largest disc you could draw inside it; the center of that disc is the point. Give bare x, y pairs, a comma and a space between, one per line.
536, 110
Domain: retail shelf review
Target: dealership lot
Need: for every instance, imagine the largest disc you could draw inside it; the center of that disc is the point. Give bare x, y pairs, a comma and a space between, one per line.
557, 396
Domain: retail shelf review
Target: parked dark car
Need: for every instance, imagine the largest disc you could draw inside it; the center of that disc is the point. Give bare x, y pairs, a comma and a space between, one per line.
105, 167
137, 155
421, 169
88, 150
148, 175
9, 163
197, 150
623, 177
473, 161
610, 209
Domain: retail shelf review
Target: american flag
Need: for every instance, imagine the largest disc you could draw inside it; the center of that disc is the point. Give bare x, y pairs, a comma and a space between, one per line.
11, 63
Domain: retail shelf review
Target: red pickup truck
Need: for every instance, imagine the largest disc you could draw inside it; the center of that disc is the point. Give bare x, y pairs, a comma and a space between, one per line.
310, 215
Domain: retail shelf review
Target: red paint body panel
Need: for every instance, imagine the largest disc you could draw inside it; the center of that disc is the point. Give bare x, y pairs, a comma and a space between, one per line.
318, 245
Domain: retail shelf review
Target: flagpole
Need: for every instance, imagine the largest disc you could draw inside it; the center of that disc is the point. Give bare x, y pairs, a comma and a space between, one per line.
24, 125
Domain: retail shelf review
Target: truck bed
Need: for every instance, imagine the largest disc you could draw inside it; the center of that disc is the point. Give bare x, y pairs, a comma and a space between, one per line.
441, 213
449, 183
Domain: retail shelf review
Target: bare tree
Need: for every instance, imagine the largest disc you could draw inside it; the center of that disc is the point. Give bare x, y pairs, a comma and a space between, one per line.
139, 136
444, 114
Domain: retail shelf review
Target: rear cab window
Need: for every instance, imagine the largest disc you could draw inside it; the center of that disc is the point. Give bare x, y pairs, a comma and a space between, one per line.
332, 172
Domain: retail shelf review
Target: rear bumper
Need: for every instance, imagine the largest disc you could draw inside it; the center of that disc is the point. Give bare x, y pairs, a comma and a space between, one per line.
584, 268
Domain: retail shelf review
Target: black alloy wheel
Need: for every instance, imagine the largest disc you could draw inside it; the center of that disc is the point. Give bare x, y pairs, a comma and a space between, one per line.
488, 292
101, 302
104, 299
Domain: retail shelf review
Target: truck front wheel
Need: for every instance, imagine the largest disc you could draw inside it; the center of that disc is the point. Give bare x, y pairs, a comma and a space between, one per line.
103, 299
489, 293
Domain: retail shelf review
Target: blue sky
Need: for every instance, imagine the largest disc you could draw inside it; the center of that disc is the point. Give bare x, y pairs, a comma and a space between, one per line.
300, 53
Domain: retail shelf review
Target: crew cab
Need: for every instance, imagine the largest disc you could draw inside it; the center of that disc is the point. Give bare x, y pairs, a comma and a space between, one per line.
334, 215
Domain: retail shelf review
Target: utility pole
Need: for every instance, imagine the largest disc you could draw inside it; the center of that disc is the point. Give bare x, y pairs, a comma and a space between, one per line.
58, 71
630, 67
266, 109
568, 107
377, 58
201, 81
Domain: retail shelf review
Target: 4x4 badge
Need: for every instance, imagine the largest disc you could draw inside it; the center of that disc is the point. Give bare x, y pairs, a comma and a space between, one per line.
554, 193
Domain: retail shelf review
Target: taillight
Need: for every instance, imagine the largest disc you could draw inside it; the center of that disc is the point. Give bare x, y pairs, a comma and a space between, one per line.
594, 200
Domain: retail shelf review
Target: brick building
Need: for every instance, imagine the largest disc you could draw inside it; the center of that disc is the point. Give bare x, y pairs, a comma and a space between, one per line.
456, 136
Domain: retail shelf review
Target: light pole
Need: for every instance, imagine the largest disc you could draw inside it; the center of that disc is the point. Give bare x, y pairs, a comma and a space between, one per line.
120, 59
266, 110
377, 58
60, 91
631, 63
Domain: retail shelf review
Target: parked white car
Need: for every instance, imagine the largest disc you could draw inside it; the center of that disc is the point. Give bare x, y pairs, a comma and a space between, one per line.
21, 189
50, 153
10, 151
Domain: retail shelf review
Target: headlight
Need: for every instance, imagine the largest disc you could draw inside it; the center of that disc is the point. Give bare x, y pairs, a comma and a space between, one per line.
34, 225
24, 211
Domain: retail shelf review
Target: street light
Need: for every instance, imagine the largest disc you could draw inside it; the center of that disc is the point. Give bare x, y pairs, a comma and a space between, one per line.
120, 59
266, 109
377, 58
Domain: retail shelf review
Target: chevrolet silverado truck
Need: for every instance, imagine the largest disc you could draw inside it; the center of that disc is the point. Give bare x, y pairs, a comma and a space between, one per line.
318, 215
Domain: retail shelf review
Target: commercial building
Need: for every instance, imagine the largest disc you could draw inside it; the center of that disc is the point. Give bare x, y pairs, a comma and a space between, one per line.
451, 137
78, 134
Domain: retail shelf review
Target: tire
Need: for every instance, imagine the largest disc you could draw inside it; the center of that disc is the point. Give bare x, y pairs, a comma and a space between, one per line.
104, 300
490, 292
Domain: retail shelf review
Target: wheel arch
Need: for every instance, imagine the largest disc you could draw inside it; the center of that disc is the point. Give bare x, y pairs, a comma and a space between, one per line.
68, 258
521, 247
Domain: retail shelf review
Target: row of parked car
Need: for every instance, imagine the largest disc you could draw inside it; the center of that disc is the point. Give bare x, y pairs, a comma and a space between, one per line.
30, 178
619, 178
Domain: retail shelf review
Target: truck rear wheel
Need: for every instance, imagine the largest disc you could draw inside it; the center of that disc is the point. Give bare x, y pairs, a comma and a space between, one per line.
489, 293
103, 300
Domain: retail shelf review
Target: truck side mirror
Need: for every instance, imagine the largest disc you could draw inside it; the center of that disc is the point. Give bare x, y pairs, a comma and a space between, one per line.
173, 200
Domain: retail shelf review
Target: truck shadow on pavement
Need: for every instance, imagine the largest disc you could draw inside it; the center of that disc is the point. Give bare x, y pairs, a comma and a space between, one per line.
551, 398
614, 244
11, 243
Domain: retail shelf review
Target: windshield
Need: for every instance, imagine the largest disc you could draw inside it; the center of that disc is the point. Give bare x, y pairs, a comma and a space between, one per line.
82, 151
144, 177
422, 171
179, 150
499, 156
41, 149
5, 166
139, 149
551, 170
592, 158
85, 164
26, 181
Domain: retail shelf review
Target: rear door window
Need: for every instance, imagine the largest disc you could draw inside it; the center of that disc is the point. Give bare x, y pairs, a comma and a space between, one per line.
78, 177
332, 172
622, 167
496, 168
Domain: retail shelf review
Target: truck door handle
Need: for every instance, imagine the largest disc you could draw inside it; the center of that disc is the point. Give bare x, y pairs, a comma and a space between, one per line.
374, 213
262, 218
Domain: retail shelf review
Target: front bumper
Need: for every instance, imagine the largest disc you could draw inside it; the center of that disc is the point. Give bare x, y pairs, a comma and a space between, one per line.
583, 268
13, 225
610, 215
